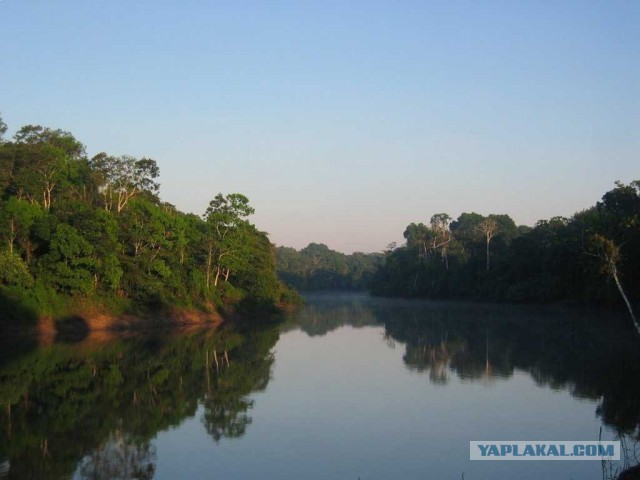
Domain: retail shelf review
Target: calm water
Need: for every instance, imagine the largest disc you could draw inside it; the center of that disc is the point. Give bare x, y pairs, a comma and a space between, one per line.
348, 387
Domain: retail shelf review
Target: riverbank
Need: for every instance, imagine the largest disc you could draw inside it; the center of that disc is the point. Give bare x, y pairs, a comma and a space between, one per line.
162, 319
78, 316
83, 317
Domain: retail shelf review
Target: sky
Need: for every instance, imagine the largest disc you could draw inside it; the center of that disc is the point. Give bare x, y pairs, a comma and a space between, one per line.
342, 122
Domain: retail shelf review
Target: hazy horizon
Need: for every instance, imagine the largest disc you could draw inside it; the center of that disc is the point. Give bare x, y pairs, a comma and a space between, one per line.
341, 123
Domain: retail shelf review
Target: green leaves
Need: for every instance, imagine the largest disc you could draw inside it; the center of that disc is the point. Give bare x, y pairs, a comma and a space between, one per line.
229, 209
607, 251
122, 178
69, 265
85, 227
13, 270
41, 159
16, 219
317, 267
491, 258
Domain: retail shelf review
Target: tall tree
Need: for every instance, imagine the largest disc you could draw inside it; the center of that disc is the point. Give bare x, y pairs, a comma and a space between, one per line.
226, 222
608, 253
69, 265
122, 178
441, 234
489, 228
13, 270
419, 239
41, 161
16, 219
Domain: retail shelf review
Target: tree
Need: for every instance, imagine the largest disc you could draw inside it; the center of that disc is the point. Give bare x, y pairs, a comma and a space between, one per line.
465, 227
488, 227
225, 221
441, 234
100, 229
41, 160
16, 218
256, 269
82, 226
467, 233
317, 267
13, 270
121, 178
147, 230
228, 210
418, 237
69, 265
608, 253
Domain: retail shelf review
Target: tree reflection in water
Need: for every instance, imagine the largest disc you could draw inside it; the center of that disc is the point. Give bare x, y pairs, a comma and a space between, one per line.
563, 349
94, 408
121, 457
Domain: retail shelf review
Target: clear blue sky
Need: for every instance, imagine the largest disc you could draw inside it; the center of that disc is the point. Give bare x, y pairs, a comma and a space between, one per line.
341, 121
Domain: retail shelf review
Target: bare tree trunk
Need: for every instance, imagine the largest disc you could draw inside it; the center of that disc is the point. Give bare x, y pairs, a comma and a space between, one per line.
12, 234
626, 300
209, 260
123, 198
215, 282
108, 199
488, 241
488, 227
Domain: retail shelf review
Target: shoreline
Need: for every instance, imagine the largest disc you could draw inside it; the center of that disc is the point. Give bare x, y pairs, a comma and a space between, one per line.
80, 324
89, 321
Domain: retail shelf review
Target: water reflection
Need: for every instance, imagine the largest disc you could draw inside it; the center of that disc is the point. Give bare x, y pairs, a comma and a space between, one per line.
562, 349
119, 456
93, 407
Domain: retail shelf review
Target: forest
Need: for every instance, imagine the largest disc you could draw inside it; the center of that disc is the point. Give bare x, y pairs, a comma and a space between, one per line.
592, 257
94, 231
317, 267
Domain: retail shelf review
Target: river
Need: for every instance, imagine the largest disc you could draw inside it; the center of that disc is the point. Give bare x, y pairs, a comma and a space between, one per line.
346, 387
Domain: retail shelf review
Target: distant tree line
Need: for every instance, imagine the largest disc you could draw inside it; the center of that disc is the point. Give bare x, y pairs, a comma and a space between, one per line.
95, 228
317, 267
591, 258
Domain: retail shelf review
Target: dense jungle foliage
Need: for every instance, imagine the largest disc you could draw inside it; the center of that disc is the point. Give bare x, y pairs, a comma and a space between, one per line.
94, 231
592, 257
